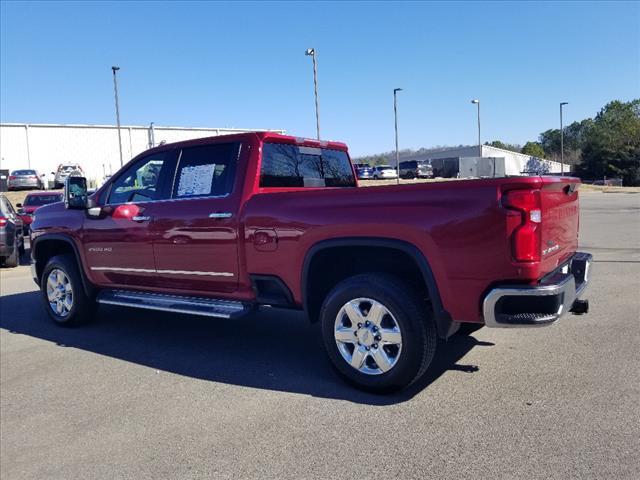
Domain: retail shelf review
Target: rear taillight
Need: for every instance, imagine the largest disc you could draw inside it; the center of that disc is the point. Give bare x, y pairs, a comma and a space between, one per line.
3, 221
527, 238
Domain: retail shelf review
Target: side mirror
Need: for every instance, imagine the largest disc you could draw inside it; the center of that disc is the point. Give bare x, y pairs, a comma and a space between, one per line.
18, 205
75, 193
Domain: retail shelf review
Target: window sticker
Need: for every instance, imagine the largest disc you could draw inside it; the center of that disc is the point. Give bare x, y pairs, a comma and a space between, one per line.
196, 180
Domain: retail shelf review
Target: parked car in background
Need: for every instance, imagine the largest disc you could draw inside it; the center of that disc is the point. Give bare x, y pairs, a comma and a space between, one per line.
365, 172
384, 171
609, 182
32, 202
11, 239
25, 180
416, 169
65, 170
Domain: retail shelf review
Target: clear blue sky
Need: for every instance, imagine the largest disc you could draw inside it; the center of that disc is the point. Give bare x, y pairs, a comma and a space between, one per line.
243, 65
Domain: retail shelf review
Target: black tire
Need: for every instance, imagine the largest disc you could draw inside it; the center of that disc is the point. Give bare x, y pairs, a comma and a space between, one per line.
83, 307
467, 329
13, 260
419, 338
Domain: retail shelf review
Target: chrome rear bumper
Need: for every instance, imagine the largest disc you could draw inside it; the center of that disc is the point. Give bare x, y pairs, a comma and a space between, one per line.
542, 304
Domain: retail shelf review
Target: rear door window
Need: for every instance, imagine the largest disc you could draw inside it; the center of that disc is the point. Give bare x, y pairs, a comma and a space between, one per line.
206, 171
285, 165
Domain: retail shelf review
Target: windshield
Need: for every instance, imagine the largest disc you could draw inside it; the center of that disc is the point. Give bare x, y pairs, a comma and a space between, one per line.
68, 168
44, 199
24, 172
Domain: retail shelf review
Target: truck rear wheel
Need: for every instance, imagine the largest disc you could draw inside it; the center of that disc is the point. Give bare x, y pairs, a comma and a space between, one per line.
377, 332
63, 293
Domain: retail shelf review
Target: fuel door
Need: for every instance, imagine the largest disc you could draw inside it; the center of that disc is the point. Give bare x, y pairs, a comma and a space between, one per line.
265, 240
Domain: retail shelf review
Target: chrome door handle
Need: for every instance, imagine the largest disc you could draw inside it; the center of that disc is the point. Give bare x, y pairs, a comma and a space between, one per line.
220, 215
140, 218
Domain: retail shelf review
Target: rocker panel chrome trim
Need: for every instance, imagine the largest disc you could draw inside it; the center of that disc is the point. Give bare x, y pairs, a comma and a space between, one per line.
149, 270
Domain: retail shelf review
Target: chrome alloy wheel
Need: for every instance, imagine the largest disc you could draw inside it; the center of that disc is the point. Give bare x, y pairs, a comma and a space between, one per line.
59, 292
368, 336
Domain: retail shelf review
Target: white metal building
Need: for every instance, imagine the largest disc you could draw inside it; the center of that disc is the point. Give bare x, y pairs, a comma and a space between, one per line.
95, 147
514, 163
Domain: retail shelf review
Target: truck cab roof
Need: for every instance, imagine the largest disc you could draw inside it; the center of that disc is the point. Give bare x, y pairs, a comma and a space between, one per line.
269, 137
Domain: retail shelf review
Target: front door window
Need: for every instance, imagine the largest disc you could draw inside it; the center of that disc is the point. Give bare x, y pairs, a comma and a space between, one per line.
140, 183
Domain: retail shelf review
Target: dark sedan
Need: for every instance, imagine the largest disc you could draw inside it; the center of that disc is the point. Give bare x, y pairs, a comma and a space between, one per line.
11, 239
364, 173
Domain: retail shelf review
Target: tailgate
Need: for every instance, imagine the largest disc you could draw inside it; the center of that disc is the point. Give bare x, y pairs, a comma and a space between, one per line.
560, 221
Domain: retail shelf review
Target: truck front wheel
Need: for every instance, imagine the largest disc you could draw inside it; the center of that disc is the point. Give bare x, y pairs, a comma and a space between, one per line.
377, 332
63, 293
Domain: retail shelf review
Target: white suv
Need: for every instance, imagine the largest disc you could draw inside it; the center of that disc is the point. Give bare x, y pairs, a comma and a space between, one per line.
65, 170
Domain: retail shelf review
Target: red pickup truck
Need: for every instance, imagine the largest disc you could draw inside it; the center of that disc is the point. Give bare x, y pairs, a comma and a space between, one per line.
218, 226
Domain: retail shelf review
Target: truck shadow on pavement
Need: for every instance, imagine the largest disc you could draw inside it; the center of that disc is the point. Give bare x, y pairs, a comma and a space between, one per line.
270, 349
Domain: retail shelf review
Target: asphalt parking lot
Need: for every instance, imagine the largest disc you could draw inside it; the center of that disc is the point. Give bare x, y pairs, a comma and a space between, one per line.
146, 395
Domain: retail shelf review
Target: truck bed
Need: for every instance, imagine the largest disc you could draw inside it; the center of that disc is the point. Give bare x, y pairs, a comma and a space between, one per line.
461, 227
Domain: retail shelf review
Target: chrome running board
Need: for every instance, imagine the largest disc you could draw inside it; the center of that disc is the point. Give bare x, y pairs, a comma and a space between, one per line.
207, 307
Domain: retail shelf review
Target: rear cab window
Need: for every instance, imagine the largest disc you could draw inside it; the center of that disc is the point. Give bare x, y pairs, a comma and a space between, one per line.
285, 165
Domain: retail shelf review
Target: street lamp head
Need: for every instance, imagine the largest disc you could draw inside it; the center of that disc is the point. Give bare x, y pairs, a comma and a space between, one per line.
564, 103
397, 90
310, 51
114, 68
475, 100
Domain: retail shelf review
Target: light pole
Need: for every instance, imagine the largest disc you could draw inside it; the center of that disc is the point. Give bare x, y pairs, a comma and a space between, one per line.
311, 52
115, 89
395, 114
477, 102
562, 139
